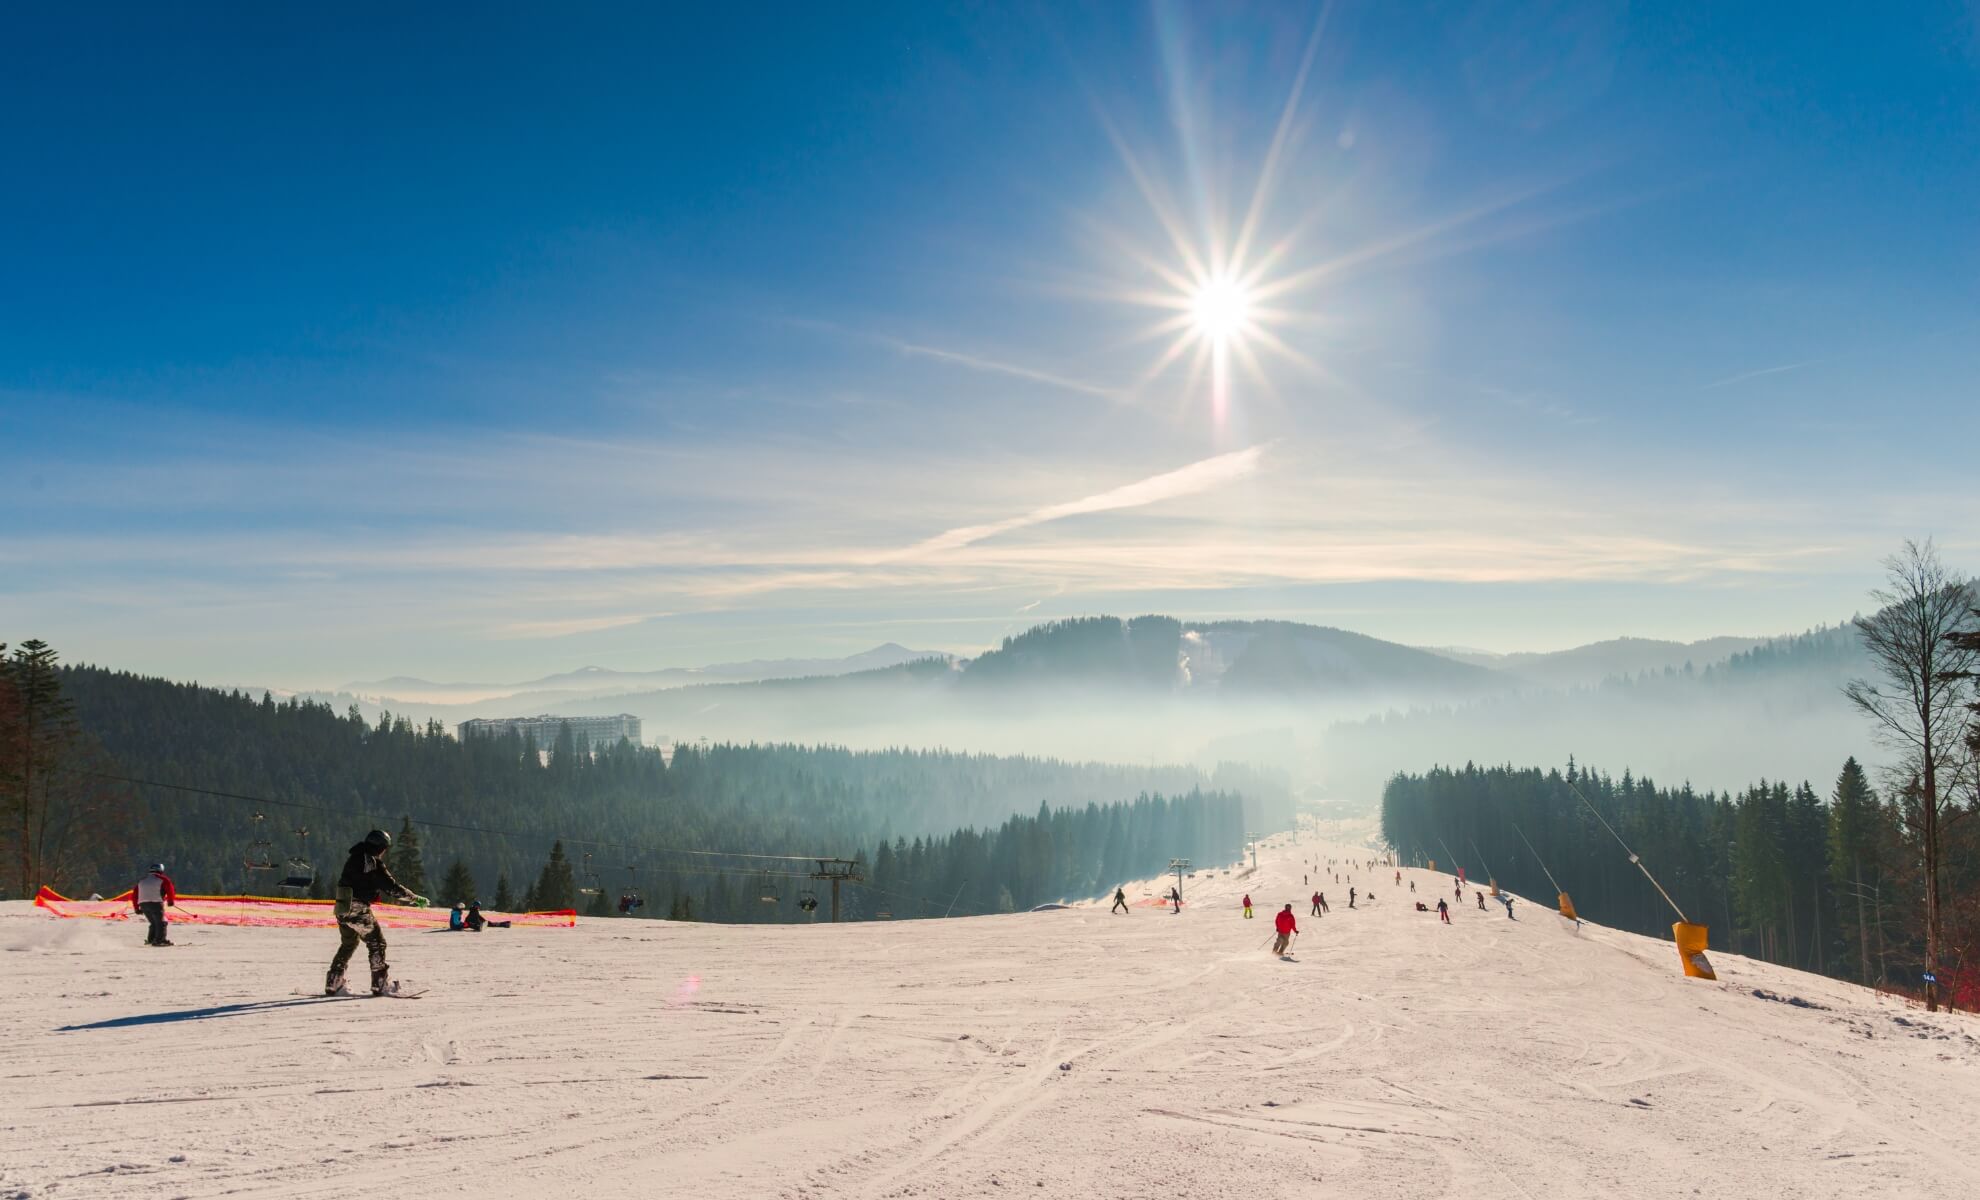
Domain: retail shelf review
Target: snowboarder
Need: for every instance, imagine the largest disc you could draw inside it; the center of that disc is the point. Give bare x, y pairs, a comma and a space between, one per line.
1175, 898
1481, 900
475, 922
457, 919
149, 896
1444, 910
1247, 906
363, 881
1288, 928
1120, 902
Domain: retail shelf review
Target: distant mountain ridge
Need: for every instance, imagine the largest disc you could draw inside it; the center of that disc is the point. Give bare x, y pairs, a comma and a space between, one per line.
1596, 661
586, 681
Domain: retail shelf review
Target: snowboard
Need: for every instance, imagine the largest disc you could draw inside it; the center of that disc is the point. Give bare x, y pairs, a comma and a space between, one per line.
397, 993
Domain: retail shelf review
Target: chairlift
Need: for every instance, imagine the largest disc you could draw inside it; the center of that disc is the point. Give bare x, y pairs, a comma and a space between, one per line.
302, 873
630, 901
590, 885
808, 901
260, 855
769, 895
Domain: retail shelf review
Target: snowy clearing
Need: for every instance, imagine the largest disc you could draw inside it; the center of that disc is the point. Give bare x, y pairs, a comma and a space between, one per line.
1072, 1053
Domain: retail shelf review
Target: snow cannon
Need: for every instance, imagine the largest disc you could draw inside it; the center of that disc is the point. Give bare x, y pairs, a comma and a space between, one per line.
1691, 950
1495, 888
1433, 864
1567, 907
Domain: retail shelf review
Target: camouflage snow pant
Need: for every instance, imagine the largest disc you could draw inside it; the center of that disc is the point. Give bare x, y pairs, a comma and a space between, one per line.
356, 924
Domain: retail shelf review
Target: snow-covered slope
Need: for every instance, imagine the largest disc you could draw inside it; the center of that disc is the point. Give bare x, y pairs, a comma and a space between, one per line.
1071, 1053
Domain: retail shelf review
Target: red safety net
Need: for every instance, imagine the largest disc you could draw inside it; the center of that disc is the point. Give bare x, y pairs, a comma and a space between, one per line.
284, 913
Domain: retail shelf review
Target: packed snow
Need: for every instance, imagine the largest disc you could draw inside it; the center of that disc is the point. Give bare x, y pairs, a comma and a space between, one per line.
1071, 1053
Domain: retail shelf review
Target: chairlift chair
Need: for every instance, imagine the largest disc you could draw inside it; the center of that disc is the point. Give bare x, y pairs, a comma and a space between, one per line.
590, 885
260, 856
302, 873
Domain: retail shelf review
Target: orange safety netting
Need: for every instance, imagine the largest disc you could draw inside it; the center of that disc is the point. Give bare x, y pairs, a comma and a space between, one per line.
284, 913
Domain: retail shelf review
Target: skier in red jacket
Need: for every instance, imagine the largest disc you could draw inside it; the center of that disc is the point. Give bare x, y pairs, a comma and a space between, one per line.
1247, 906
149, 896
1288, 927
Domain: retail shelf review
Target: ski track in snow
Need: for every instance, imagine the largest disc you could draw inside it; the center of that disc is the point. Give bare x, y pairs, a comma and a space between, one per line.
1396, 1058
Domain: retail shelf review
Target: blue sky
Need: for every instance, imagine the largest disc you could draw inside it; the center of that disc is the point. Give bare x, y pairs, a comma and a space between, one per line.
337, 344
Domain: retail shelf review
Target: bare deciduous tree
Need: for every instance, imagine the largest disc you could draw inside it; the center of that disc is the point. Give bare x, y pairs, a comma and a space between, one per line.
1918, 703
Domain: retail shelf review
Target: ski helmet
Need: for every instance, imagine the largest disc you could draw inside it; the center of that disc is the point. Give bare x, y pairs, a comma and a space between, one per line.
378, 839
158, 866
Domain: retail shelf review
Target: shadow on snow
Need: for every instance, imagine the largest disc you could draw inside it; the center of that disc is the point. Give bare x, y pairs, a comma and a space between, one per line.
196, 1014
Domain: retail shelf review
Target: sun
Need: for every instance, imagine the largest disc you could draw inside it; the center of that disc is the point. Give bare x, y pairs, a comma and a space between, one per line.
1220, 310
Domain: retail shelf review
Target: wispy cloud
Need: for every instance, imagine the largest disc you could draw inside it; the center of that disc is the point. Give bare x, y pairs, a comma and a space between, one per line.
996, 367
1743, 376
1197, 477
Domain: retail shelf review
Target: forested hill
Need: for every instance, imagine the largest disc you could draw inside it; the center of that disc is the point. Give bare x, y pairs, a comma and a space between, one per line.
763, 799
1164, 654
1824, 880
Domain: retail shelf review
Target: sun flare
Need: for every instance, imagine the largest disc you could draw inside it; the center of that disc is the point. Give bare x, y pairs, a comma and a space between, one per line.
1220, 310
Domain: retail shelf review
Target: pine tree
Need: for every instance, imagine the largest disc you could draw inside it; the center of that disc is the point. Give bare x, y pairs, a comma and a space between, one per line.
457, 886
54, 818
408, 867
1855, 860
556, 887
505, 898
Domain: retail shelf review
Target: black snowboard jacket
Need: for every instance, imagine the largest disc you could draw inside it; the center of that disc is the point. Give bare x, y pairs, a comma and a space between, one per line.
366, 878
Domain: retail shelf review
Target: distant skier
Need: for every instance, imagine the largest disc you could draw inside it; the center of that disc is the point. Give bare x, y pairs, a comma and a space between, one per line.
1247, 906
363, 881
1350, 897
1120, 901
149, 896
1324, 910
1287, 926
1412, 887
1444, 910
1481, 900
1505, 898
1175, 898
1316, 905
1398, 878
